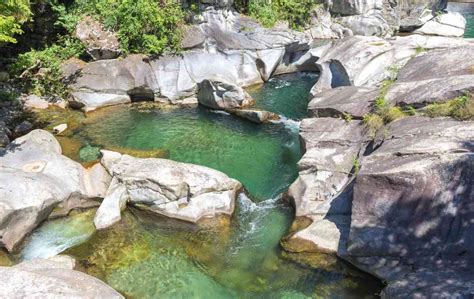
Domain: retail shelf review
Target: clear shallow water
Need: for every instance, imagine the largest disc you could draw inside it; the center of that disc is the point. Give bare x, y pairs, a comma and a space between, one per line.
469, 33
146, 256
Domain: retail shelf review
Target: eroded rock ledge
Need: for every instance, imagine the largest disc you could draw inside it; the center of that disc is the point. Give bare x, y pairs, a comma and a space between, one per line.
398, 205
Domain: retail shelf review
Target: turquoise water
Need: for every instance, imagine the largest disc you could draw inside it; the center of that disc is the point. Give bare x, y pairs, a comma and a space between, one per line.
469, 33
262, 157
146, 256
286, 95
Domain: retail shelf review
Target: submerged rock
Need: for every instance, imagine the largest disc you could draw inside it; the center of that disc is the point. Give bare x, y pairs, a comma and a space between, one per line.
34, 178
54, 277
177, 190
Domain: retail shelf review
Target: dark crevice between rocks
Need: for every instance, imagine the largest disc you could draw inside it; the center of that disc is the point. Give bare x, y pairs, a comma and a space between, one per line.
141, 94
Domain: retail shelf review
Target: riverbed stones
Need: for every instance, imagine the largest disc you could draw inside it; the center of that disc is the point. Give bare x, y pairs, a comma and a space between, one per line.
35, 102
51, 278
177, 190
34, 178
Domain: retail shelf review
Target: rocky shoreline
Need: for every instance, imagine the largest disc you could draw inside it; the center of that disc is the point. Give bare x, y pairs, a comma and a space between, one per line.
395, 200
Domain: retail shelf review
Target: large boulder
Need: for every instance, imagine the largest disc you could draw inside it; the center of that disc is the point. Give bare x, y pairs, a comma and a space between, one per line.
413, 207
99, 43
34, 178
435, 76
51, 278
5, 134
446, 24
415, 13
177, 190
222, 95
332, 150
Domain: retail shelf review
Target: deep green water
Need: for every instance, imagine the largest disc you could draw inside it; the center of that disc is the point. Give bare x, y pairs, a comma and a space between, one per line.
145, 256
469, 33
286, 95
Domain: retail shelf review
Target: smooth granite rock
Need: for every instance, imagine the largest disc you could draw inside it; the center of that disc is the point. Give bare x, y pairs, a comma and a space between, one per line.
176, 190
51, 278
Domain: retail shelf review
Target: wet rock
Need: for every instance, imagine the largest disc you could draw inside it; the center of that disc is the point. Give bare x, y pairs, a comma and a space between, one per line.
343, 101
446, 24
34, 178
256, 116
219, 94
435, 76
53, 277
176, 190
412, 205
23, 128
99, 43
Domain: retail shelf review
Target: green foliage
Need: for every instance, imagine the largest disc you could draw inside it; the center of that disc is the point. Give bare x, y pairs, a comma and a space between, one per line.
347, 117
143, 26
7, 96
13, 13
40, 70
373, 123
356, 166
420, 49
296, 12
461, 108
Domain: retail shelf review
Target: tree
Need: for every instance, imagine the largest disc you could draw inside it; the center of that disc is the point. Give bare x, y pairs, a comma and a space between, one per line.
13, 13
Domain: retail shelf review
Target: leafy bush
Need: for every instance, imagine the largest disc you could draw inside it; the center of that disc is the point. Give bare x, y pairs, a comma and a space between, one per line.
143, 26
13, 13
461, 108
40, 70
268, 12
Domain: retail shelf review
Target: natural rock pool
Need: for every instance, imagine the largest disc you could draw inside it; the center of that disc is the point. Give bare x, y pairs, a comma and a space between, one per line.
145, 256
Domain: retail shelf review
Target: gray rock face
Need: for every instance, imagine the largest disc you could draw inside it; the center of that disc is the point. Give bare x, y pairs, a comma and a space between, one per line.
345, 100
221, 49
366, 61
332, 147
34, 178
51, 278
177, 190
254, 115
413, 204
435, 76
99, 43
415, 13
222, 95
447, 24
